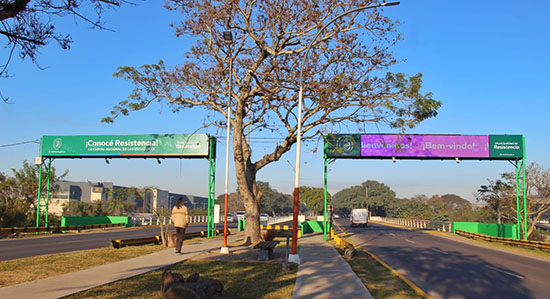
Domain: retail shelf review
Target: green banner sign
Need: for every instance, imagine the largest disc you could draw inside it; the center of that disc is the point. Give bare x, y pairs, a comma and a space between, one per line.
424, 146
506, 146
152, 145
343, 146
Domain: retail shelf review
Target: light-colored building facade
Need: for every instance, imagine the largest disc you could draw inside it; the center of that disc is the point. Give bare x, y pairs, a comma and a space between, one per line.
153, 198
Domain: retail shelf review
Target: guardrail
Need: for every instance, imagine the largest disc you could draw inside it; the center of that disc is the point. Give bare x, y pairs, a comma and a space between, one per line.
417, 223
140, 241
277, 227
56, 228
528, 244
154, 220
156, 239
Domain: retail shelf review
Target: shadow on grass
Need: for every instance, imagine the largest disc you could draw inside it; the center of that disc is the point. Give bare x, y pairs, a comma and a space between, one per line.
240, 280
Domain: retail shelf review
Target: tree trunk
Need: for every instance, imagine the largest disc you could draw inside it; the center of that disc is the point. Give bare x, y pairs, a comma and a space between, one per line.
245, 172
251, 197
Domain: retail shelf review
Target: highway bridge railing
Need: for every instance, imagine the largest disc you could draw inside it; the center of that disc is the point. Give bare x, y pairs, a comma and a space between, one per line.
443, 226
56, 228
522, 243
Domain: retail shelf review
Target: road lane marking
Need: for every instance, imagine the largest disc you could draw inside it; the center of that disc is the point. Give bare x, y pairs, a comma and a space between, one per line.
409, 241
505, 272
440, 251
392, 234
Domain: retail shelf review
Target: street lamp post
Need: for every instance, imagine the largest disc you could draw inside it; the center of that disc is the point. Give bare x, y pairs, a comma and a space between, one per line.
294, 257
228, 39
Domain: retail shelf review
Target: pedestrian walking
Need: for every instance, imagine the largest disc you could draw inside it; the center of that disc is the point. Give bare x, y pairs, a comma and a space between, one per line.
180, 217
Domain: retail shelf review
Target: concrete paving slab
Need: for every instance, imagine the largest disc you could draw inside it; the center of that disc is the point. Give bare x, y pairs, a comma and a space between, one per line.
323, 273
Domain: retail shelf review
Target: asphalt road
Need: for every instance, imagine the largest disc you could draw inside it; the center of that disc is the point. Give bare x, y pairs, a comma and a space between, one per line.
447, 268
26, 247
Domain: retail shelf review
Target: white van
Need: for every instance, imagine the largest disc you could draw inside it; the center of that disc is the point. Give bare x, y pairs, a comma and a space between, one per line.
359, 217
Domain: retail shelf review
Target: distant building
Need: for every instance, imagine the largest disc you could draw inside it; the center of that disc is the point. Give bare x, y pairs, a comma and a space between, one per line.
190, 201
94, 191
157, 199
79, 192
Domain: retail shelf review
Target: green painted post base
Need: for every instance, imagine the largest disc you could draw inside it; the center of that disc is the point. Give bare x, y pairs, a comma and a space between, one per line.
241, 224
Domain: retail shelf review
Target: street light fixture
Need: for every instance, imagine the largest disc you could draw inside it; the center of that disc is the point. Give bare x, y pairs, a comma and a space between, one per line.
228, 39
293, 256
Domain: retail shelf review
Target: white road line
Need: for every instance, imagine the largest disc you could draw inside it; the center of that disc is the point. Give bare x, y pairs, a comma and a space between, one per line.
409, 241
392, 234
505, 272
440, 251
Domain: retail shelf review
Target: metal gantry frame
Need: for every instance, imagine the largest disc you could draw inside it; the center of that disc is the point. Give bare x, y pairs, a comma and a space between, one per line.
47, 199
521, 187
44, 202
211, 187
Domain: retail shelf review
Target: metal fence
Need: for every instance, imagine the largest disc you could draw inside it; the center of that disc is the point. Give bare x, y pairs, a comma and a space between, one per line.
522, 243
444, 226
154, 220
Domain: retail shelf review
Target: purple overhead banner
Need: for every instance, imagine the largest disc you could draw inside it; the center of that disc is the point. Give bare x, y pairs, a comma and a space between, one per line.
437, 146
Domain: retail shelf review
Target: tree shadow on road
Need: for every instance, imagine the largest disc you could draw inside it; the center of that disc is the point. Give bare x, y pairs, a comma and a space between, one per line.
453, 274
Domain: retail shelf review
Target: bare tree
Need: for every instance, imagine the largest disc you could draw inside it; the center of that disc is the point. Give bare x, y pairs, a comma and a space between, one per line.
346, 82
501, 196
538, 192
28, 25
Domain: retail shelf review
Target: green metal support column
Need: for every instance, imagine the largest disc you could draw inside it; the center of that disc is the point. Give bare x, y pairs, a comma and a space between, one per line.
44, 212
326, 198
39, 193
521, 205
524, 189
48, 191
211, 186
518, 210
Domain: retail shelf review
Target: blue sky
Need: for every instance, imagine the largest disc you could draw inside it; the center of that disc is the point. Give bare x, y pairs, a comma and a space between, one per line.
487, 61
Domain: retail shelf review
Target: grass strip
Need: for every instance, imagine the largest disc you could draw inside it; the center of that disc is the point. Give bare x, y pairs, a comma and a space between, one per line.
240, 280
380, 281
38, 267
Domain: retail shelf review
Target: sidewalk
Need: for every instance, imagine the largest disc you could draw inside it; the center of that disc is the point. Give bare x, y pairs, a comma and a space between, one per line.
70, 283
323, 273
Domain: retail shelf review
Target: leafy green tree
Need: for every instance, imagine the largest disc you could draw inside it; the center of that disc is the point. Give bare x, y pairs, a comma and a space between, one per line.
121, 201
347, 81
381, 200
314, 199
344, 200
274, 201
19, 194
458, 208
125, 200
440, 213
415, 209
498, 196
